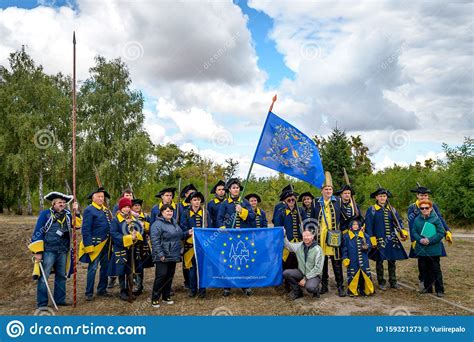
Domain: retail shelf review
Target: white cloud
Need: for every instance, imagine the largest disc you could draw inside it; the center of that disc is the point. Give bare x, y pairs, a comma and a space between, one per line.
388, 162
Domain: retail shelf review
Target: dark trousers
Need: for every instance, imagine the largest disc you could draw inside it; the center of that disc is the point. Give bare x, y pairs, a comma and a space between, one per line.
291, 262
430, 270
293, 276
336, 268
193, 279
164, 273
392, 272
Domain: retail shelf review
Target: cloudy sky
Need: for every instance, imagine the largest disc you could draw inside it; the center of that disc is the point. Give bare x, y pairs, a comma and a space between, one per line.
400, 73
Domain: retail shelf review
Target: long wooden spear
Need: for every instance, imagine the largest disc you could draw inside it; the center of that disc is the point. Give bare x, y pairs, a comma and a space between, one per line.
74, 237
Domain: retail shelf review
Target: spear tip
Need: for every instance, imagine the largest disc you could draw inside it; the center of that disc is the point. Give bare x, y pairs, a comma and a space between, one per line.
74, 37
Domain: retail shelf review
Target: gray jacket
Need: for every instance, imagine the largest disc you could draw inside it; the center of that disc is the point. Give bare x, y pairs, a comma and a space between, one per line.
312, 265
166, 239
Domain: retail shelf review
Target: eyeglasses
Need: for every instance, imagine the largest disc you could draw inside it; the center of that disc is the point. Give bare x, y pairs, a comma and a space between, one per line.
291, 200
424, 208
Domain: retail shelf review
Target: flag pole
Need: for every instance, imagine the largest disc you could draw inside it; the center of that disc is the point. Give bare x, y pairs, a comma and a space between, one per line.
74, 239
254, 155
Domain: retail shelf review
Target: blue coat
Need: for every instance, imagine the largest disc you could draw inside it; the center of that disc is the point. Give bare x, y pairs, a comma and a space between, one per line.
51, 234
227, 212
380, 226
166, 237
357, 261
213, 210
95, 231
289, 220
347, 213
156, 212
121, 262
279, 206
414, 212
260, 218
435, 247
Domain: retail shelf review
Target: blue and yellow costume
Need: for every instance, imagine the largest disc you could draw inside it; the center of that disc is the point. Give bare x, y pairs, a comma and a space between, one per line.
356, 259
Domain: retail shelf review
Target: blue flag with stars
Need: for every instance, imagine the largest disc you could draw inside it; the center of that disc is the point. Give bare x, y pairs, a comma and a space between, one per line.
245, 257
284, 148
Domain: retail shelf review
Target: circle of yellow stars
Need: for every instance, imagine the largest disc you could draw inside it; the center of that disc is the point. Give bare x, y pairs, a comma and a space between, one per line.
238, 268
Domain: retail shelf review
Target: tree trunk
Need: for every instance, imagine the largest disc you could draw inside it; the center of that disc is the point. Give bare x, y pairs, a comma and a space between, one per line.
40, 185
19, 210
28, 200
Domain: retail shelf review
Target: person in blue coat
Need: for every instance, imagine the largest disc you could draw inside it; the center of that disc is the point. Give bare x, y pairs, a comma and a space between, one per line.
95, 244
235, 207
307, 206
126, 232
185, 192
193, 217
328, 216
289, 219
165, 197
235, 212
260, 216
423, 193
280, 205
51, 243
428, 247
349, 209
355, 253
380, 225
213, 205
143, 248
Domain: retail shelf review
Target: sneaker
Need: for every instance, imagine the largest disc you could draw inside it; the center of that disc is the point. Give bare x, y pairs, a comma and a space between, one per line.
395, 286
383, 286
295, 295
324, 289
89, 298
424, 291
440, 294
191, 294
168, 301
155, 303
226, 293
104, 294
247, 292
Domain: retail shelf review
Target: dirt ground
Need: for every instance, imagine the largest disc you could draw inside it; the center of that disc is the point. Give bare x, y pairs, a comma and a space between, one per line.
18, 291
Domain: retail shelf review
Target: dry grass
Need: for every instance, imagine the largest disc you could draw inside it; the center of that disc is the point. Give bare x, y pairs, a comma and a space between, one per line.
18, 291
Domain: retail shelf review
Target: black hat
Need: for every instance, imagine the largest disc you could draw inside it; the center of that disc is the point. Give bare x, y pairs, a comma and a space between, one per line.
165, 190
380, 191
193, 195
421, 190
357, 218
232, 181
287, 194
187, 188
304, 194
344, 188
56, 194
219, 183
286, 188
249, 196
137, 201
101, 189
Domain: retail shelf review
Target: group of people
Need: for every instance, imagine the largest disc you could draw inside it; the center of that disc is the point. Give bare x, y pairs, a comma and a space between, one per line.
123, 242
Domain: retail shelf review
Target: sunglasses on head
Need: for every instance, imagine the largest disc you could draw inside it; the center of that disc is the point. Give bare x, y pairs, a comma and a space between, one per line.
424, 208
